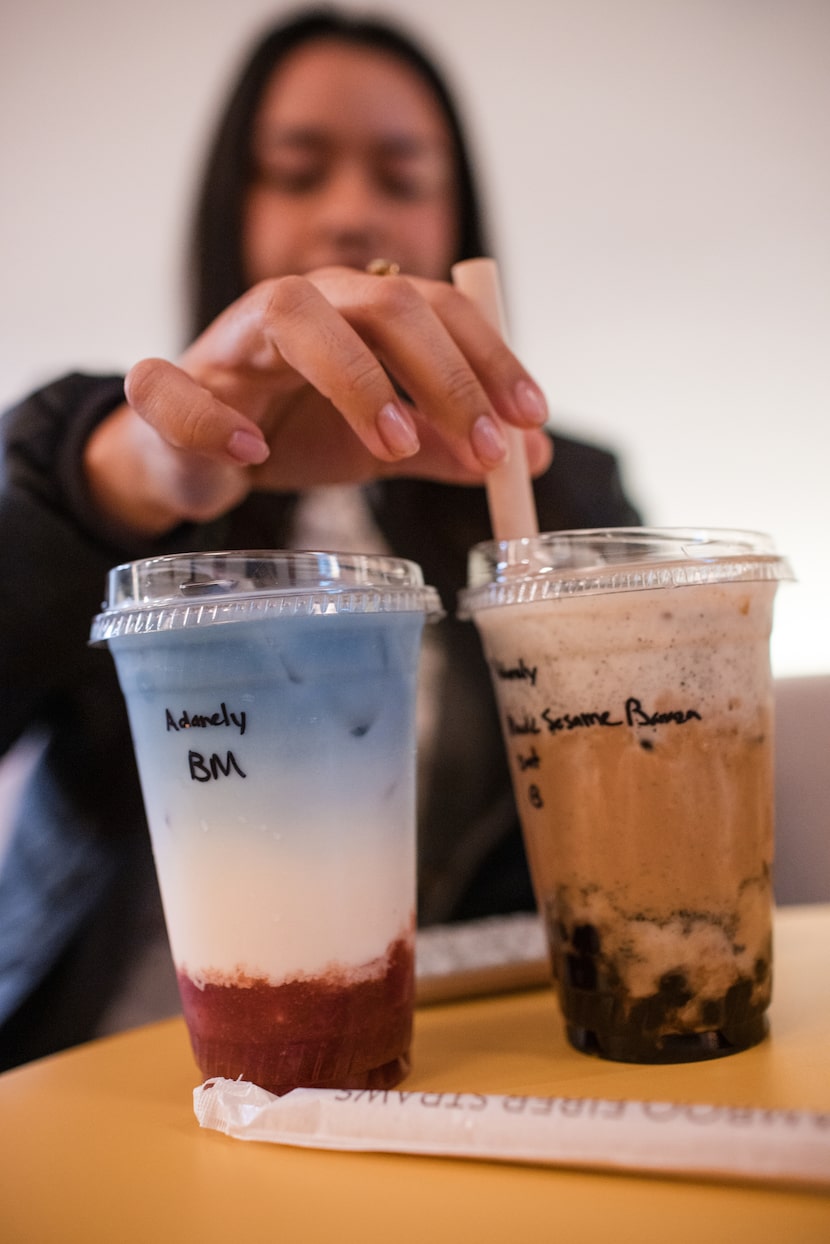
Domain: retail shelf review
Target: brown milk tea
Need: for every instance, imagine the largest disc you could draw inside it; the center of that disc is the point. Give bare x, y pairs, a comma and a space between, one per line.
632, 675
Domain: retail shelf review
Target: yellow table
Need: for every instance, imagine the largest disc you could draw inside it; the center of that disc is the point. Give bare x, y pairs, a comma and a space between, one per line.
101, 1144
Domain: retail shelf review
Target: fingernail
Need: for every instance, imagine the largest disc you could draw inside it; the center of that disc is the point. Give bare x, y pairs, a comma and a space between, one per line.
397, 431
488, 441
247, 448
530, 403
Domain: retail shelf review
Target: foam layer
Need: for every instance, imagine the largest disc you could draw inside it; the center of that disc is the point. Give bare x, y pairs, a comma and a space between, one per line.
596, 652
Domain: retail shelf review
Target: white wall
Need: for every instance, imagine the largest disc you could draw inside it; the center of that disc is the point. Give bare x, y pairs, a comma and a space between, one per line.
660, 176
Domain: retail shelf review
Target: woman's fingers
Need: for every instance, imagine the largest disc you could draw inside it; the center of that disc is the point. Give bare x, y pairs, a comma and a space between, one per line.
189, 417
317, 341
452, 363
253, 382
512, 390
402, 328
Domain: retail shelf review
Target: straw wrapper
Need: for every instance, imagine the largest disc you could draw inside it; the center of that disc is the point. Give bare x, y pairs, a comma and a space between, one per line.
789, 1147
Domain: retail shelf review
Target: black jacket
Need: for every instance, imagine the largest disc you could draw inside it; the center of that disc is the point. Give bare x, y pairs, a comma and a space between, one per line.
77, 886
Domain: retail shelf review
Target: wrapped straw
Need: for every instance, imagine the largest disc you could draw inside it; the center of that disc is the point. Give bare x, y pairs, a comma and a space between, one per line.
680, 1139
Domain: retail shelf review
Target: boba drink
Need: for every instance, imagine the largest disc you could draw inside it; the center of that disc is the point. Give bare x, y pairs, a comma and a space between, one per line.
632, 675
271, 701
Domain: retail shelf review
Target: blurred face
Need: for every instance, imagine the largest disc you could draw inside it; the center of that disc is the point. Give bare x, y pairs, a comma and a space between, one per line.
352, 162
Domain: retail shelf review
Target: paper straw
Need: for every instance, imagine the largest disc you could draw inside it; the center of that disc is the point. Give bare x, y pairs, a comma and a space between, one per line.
509, 491
680, 1139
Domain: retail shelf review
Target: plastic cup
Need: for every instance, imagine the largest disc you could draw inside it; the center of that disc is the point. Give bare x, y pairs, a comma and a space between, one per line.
271, 698
631, 669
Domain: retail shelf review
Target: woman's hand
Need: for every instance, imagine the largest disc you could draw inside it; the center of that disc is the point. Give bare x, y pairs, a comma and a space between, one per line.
300, 383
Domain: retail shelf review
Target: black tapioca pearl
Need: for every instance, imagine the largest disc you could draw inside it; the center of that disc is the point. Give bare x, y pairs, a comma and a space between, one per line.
648, 1014
580, 972
674, 989
358, 732
736, 1004
585, 939
761, 970
710, 1013
647, 745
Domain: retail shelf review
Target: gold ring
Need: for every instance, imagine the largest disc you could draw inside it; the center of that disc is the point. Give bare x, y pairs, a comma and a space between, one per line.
383, 267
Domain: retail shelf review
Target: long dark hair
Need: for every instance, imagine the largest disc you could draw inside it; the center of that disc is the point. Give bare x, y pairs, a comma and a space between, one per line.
216, 275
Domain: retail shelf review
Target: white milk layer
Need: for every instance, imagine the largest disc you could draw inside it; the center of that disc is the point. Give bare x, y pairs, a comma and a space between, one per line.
262, 909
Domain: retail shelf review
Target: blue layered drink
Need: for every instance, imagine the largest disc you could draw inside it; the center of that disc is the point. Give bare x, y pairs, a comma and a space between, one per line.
272, 705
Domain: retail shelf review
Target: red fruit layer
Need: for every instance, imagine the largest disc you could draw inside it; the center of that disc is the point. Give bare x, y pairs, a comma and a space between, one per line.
344, 1029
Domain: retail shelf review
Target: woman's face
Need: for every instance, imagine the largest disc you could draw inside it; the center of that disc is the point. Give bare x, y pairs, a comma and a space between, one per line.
352, 162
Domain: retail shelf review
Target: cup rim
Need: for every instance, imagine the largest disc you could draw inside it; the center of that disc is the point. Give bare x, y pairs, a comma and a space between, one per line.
179, 591
596, 561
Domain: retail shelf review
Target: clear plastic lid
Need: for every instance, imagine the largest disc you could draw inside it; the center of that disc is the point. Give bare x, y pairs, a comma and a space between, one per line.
203, 589
617, 559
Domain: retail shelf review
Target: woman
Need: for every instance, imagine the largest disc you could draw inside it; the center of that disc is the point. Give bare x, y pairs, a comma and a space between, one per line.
340, 146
